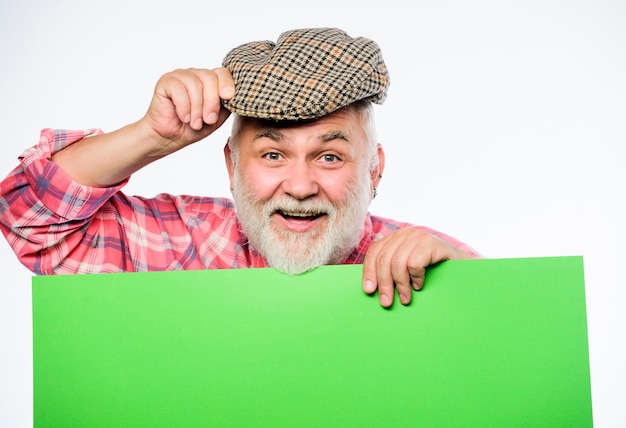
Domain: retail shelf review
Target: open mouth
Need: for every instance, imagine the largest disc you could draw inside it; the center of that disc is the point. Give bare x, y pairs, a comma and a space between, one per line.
299, 215
299, 221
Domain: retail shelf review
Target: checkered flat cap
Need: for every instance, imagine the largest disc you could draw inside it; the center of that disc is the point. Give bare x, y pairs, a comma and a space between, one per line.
306, 74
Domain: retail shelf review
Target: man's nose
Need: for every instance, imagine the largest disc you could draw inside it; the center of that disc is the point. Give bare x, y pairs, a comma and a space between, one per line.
300, 182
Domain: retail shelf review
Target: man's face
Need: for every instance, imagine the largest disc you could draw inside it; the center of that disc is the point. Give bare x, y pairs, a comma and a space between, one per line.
302, 189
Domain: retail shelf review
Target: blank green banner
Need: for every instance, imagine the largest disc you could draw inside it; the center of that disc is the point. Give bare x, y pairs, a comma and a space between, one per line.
487, 343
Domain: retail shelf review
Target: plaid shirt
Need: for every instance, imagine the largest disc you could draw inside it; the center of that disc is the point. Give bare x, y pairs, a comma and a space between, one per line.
57, 226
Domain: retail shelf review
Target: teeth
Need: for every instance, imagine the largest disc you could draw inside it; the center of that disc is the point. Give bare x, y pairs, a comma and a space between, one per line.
299, 214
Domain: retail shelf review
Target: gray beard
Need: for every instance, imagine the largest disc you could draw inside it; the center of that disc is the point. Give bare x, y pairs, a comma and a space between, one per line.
298, 252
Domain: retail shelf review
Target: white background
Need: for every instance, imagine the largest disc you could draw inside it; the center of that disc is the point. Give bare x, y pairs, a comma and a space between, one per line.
504, 126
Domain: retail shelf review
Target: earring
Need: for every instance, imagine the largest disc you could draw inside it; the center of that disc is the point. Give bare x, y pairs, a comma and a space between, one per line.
375, 192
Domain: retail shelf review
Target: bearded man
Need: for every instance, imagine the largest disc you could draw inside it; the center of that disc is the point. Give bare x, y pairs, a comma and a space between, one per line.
303, 161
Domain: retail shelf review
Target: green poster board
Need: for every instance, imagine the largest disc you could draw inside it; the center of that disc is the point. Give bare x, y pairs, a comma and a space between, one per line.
487, 343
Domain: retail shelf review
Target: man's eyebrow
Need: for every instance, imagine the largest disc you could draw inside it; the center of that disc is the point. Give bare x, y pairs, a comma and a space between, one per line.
334, 135
275, 135
271, 133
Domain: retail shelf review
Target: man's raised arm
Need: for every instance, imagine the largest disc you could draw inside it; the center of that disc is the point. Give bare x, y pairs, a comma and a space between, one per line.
185, 108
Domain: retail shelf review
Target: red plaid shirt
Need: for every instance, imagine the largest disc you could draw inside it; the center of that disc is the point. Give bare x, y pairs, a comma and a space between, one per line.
57, 226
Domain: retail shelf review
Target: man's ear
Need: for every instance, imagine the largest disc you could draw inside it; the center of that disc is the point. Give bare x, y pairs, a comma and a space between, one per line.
229, 162
377, 172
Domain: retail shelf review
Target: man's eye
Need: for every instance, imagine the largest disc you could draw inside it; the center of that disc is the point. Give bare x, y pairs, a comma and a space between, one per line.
272, 156
330, 158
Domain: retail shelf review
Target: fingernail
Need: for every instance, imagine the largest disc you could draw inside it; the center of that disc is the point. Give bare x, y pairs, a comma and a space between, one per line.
405, 299
369, 286
385, 300
197, 124
228, 92
211, 118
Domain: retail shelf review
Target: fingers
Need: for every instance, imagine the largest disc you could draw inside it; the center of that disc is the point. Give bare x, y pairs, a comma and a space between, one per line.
217, 84
226, 83
398, 262
196, 94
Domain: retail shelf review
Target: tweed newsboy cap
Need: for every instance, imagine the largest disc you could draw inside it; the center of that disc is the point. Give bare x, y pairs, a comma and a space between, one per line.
306, 74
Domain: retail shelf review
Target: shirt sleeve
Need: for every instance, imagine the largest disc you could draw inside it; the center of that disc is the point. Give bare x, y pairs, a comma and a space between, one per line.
42, 210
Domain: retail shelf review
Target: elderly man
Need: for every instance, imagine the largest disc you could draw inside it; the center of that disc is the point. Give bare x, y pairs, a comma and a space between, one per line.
303, 161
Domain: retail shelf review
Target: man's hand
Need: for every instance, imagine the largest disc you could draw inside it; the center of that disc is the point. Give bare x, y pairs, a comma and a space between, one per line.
400, 260
186, 106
